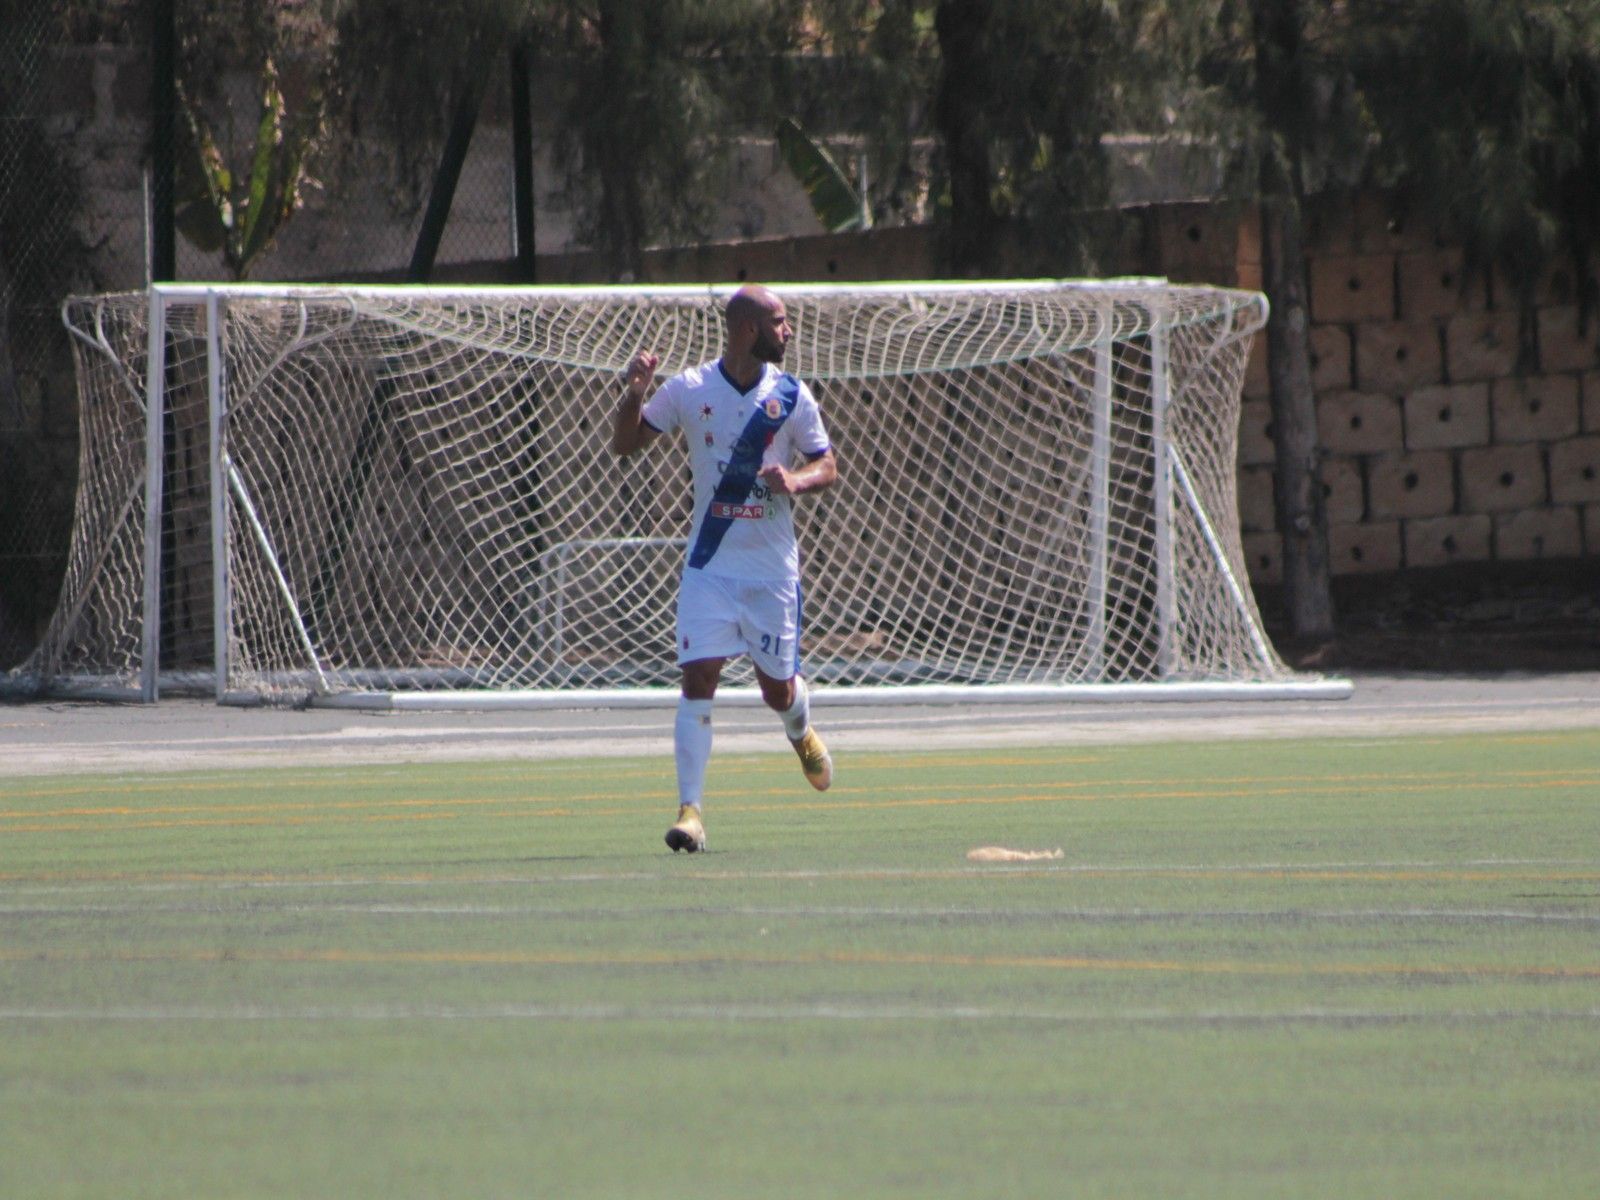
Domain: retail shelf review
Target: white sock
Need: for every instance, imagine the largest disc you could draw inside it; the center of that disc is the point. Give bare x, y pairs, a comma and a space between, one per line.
798, 717
691, 739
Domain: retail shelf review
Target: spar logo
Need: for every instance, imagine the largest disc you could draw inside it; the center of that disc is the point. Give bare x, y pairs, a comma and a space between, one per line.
737, 512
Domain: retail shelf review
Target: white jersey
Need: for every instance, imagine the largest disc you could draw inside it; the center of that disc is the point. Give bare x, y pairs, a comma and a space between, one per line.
740, 529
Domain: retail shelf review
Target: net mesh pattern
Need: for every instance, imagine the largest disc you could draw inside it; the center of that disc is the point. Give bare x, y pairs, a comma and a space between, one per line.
1036, 486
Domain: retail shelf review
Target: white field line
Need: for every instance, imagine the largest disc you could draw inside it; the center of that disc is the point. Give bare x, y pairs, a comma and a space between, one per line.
998, 870
84, 750
636, 733
734, 1013
890, 912
730, 723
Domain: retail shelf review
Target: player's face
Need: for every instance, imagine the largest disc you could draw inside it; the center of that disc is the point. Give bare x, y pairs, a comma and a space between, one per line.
773, 332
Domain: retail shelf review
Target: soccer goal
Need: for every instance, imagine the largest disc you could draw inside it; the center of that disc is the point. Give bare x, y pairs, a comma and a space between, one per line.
389, 496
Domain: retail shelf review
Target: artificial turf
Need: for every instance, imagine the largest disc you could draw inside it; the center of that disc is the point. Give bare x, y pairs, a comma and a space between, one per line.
1260, 969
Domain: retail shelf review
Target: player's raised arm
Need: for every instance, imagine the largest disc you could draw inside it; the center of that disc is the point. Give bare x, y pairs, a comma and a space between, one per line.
629, 431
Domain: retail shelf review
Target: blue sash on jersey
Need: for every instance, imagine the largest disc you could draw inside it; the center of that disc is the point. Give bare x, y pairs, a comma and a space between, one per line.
744, 466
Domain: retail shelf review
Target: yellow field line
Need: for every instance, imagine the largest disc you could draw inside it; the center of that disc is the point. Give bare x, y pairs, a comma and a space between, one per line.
1241, 785
1122, 793
358, 811
293, 806
1216, 967
375, 775
531, 772
250, 822
565, 958
1019, 872
372, 776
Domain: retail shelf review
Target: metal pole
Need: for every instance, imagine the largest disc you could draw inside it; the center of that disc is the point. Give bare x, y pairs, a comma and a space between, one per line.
1220, 556
522, 197
1166, 593
216, 381
242, 497
1100, 500
463, 121
154, 481
163, 142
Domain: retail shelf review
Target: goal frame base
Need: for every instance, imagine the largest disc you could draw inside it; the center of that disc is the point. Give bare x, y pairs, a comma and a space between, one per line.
1195, 691
203, 684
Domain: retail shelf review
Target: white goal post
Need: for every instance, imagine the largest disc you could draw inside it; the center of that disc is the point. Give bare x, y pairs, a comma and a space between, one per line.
404, 496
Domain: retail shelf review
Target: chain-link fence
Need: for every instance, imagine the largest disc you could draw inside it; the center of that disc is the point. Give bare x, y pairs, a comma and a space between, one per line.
42, 256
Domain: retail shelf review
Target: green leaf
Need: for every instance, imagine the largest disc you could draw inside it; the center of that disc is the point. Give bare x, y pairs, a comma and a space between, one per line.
203, 208
833, 199
260, 216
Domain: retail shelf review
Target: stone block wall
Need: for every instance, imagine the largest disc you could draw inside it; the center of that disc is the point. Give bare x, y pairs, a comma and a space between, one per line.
1445, 438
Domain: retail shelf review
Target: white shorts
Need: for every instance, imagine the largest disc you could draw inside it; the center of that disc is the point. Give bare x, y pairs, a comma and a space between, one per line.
719, 617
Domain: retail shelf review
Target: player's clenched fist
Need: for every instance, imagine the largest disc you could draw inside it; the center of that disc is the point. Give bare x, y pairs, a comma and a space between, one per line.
641, 371
778, 479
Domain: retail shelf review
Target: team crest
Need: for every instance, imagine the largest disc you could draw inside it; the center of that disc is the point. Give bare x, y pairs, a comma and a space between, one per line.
774, 409
710, 440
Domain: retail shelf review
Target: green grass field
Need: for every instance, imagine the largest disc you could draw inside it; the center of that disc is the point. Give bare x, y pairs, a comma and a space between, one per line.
1261, 969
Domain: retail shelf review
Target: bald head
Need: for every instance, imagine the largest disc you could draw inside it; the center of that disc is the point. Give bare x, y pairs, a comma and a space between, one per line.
750, 303
758, 327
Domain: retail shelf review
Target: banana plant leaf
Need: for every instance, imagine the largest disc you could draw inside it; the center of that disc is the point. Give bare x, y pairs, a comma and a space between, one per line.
202, 185
241, 217
836, 203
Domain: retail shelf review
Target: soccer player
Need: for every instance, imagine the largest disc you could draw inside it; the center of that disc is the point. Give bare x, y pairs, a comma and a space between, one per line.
756, 440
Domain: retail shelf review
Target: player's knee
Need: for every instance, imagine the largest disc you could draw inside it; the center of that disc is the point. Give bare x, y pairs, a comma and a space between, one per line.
778, 693
700, 679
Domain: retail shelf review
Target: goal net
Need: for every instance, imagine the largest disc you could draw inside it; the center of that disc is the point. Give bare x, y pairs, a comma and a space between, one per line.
406, 495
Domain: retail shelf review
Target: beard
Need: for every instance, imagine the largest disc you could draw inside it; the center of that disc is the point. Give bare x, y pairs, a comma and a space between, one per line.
767, 349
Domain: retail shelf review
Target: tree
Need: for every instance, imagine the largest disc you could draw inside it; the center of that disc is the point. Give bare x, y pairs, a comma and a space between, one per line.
1270, 78
404, 68
238, 210
42, 258
638, 100
654, 93
1490, 111
1019, 97
1486, 113
1283, 95
1026, 94
881, 68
